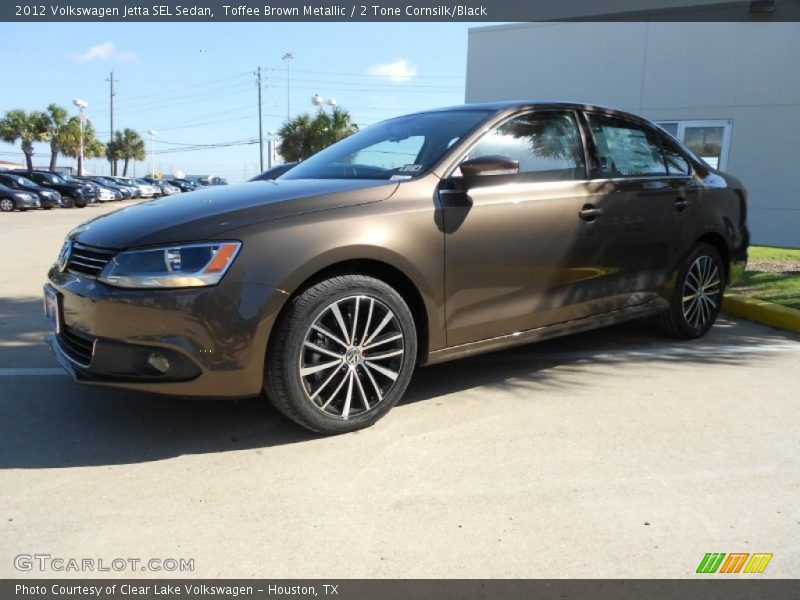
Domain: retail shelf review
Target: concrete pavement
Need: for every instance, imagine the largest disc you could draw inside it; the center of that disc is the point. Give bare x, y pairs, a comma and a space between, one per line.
615, 453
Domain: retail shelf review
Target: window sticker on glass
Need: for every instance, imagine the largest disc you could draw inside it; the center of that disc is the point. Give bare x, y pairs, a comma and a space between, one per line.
409, 168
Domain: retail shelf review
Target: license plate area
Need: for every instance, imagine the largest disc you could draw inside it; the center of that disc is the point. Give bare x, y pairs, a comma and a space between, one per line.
52, 308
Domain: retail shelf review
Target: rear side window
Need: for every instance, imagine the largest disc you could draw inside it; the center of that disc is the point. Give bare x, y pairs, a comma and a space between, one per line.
676, 162
625, 149
547, 145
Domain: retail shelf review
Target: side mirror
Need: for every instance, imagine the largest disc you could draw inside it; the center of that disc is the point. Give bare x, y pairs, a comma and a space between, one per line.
485, 166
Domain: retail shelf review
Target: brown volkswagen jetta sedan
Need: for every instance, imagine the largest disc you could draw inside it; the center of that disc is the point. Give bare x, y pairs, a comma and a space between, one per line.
421, 239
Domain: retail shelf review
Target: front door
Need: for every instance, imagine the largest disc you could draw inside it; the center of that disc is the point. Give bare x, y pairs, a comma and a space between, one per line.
512, 259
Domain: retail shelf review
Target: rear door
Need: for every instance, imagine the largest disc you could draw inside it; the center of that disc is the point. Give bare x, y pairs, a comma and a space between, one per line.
638, 210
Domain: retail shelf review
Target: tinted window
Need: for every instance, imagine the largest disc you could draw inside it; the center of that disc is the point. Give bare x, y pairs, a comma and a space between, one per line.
626, 149
676, 162
547, 145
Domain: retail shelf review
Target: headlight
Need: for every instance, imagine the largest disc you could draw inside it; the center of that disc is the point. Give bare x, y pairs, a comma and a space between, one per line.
179, 266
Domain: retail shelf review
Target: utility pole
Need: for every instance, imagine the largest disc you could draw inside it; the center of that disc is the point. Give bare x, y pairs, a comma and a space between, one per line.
112, 93
260, 127
288, 57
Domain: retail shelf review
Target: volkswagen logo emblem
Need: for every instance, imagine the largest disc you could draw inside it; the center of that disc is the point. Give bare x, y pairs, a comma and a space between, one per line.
63, 256
353, 356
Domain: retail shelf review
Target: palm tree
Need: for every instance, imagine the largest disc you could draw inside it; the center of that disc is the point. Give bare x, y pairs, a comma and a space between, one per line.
127, 145
70, 141
26, 127
303, 136
339, 125
57, 120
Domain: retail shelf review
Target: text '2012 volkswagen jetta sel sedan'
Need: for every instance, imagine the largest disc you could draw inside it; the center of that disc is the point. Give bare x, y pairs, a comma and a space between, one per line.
421, 239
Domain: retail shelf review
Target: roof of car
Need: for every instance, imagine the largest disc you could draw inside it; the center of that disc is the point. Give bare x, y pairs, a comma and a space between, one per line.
505, 104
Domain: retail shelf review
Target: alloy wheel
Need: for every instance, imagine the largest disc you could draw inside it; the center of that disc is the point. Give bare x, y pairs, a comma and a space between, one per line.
6, 205
702, 291
351, 356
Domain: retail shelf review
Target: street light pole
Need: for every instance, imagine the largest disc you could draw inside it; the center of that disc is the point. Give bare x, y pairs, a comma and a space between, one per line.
260, 127
81, 104
153, 133
288, 57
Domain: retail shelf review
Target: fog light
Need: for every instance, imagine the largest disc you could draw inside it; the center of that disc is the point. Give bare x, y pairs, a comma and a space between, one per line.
158, 362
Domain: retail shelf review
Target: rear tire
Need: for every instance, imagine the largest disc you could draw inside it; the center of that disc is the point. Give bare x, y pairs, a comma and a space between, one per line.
67, 202
697, 296
341, 355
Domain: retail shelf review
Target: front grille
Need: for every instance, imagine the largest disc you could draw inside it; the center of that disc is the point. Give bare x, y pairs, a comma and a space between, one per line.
88, 260
78, 346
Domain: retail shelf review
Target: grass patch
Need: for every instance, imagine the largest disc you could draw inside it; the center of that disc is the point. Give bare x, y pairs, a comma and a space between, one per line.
772, 287
773, 274
768, 253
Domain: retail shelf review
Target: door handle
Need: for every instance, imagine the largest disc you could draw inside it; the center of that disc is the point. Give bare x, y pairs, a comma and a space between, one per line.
681, 204
590, 212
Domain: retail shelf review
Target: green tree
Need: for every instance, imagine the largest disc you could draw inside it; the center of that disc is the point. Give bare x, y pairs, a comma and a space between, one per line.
28, 127
57, 119
127, 145
70, 141
303, 136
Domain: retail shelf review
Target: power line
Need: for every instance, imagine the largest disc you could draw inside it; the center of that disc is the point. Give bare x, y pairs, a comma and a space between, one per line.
462, 77
187, 87
384, 85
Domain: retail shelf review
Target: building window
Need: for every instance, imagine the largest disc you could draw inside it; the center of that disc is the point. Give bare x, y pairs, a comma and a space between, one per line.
710, 140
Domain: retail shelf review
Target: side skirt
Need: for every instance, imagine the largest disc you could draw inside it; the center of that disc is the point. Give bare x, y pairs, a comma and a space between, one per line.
521, 338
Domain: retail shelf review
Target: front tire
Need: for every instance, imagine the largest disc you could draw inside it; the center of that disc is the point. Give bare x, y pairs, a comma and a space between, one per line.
341, 355
67, 202
697, 296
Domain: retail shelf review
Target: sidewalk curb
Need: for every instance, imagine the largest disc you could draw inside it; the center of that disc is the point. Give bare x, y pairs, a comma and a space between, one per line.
762, 311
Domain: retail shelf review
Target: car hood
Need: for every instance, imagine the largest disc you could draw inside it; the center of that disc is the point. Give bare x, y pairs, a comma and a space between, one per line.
209, 212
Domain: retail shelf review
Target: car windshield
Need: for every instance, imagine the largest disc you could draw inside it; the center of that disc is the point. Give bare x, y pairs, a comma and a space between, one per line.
19, 180
400, 148
51, 178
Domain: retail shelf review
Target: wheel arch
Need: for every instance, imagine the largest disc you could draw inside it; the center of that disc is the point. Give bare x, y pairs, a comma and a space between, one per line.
386, 272
718, 242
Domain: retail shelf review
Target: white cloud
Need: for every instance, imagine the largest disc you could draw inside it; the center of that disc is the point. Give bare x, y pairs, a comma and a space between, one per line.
106, 52
399, 71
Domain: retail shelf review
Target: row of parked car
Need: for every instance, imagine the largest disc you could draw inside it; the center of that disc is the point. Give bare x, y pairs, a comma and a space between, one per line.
23, 190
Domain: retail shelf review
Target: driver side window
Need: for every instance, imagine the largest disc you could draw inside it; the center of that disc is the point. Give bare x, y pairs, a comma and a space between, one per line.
547, 145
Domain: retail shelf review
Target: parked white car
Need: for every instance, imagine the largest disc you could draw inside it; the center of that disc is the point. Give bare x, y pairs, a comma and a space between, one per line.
146, 190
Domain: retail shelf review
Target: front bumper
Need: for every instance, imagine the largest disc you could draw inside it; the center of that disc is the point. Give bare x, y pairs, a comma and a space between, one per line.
50, 201
33, 202
215, 338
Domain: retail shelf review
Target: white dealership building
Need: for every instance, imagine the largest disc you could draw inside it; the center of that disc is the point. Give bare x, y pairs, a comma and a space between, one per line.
729, 90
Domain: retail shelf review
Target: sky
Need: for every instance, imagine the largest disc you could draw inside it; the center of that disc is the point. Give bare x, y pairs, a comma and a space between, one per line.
194, 83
